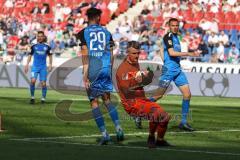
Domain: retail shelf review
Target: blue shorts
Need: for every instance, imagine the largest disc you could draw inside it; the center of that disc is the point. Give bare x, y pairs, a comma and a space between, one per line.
178, 77
98, 88
42, 73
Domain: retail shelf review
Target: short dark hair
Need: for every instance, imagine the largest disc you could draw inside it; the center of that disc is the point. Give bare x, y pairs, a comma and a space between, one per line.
133, 44
40, 32
172, 20
93, 13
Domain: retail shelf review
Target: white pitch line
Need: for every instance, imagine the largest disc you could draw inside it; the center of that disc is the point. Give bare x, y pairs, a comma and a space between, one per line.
127, 134
138, 147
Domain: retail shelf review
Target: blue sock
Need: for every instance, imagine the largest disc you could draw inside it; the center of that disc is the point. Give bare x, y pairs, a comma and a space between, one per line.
32, 89
185, 110
44, 92
99, 119
114, 115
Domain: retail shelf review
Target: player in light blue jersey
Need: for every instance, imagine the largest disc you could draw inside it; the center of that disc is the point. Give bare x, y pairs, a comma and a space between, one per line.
97, 57
39, 51
172, 71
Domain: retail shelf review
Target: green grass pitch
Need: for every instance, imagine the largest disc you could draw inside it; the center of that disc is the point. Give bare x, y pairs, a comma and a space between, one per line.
37, 132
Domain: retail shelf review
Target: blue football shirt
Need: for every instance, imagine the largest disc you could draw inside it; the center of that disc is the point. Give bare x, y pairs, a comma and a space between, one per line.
40, 51
171, 40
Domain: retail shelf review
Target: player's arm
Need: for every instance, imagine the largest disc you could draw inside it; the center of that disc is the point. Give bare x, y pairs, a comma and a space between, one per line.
85, 58
169, 45
111, 50
85, 62
127, 84
50, 60
29, 60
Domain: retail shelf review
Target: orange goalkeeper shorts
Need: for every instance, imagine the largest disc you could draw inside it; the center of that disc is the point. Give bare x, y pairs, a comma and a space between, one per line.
146, 109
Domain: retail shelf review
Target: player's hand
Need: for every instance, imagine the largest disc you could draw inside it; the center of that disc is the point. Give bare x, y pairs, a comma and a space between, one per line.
26, 69
195, 53
139, 78
86, 83
49, 68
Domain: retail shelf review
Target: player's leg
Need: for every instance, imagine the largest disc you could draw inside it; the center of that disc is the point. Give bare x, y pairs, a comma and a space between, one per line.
163, 85
158, 119
98, 117
44, 91
161, 118
93, 95
162, 128
112, 110
182, 83
43, 79
34, 75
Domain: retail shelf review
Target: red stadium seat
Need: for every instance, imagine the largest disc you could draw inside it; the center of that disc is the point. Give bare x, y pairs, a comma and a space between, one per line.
123, 5
209, 15
105, 17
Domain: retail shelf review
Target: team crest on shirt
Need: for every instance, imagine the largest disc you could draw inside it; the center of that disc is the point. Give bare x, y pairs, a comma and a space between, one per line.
170, 42
45, 48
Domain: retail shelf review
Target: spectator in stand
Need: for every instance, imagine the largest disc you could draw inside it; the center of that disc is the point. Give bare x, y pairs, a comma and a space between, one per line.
223, 38
236, 7
101, 5
135, 35
45, 9
226, 7
233, 56
58, 13
36, 9
220, 52
23, 46
214, 8
183, 5
117, 35
66, 9
22, 49
113, 6
197, 7
94, 3
123, 47
231, 2
204, 24
204, 49
214, 26
9, 4
212, 40
145, 10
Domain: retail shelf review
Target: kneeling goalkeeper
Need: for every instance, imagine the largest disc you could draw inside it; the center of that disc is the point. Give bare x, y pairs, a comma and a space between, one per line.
130, 83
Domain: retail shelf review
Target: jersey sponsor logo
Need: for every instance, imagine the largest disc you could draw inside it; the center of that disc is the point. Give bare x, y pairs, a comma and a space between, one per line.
40, 52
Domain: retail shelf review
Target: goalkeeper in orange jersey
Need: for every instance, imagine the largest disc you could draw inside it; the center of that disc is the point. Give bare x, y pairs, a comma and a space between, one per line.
130, 83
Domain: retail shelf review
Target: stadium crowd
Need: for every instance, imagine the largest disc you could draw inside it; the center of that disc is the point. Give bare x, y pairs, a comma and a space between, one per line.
208, 25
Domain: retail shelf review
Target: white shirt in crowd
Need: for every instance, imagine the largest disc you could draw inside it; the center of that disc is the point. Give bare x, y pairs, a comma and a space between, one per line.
231, 2
113, 6
213, 39
223, 38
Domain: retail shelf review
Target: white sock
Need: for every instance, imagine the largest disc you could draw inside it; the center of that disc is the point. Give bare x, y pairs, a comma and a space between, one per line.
104, 134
